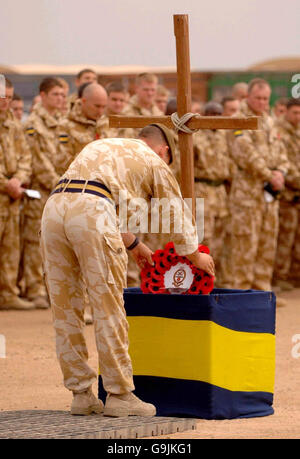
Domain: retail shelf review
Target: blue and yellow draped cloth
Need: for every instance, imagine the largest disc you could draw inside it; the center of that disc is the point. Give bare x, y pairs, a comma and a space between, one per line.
207, 356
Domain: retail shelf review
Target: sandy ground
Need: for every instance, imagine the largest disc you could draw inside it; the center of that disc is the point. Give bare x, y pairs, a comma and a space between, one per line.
30, 377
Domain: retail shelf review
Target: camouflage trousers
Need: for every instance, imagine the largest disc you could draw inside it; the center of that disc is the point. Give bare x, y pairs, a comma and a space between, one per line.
215, 218
9, 255
250, 246
76, 253
32, 280
288, 246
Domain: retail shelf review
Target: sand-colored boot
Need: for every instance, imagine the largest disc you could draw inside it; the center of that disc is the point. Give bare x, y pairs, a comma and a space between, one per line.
40, 302
85, 403
127, 405
16, 303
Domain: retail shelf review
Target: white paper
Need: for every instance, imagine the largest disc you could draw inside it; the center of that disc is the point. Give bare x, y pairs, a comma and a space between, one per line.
33, 194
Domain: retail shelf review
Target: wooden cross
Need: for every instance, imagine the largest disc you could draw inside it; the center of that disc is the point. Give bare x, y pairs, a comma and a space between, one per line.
184, 97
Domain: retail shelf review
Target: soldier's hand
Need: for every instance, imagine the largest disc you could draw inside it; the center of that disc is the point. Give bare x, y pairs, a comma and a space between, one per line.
142, 255
277, 180
14, 188
202, 261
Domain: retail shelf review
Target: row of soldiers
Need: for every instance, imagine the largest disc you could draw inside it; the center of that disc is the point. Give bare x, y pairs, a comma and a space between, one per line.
239, 174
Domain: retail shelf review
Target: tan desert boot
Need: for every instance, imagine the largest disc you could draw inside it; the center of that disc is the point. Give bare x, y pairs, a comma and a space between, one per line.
127, 405
40, 302
17, 303
85, 403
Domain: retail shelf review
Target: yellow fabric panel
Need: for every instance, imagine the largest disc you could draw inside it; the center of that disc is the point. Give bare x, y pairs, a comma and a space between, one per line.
203, 351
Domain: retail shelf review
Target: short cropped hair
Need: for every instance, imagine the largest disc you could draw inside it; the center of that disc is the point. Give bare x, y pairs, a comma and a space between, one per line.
257, 82
148, 77
293, 103
17, 97
228, 99
49, 83
115, 86
154, 133
83, 71
281, 101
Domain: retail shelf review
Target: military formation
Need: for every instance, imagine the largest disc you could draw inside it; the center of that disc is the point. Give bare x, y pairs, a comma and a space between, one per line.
250, 180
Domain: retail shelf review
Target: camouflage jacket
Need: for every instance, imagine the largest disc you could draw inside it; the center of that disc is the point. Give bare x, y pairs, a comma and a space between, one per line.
290, 137
41, 132
131, 171
256, 154
15, 158
75, 132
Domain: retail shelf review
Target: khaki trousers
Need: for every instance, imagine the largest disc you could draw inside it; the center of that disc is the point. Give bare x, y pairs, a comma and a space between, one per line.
75, 253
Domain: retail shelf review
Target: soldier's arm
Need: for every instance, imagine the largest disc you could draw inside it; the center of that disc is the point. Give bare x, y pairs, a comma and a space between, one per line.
65, 152
248, 158
24, 168
42, 169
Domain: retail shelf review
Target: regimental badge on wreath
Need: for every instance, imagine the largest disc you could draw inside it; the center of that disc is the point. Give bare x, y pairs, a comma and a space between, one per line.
173, 273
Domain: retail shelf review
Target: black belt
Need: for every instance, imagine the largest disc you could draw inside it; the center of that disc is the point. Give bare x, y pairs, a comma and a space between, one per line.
209, 182
82, 186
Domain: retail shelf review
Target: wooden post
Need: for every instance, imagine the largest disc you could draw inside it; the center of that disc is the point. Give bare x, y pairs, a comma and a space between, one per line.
184, 100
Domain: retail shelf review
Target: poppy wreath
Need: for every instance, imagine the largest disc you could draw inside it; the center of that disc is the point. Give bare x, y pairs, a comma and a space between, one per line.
152, 277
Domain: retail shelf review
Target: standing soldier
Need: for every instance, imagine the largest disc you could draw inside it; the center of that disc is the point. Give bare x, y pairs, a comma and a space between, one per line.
142, 103
116, 103
261, 163
162, 97
83, 124
17, 107
279, 109
213, 167
84, 76
41, 131
287, 267
15, 171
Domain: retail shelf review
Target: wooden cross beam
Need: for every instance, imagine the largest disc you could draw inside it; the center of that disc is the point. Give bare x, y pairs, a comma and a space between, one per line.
184, 97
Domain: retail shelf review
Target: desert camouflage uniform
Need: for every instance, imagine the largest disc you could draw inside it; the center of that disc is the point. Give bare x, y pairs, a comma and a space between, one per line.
288, 249
15, 161
155, 241
41, 133
77, 247
75, 132
134, 109
111, 132
253, 226
213, 167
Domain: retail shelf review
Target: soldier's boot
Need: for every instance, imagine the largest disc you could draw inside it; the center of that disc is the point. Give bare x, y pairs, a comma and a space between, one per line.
127, 405
16, 303
284, 285
85, 403
40, 302
280, 302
